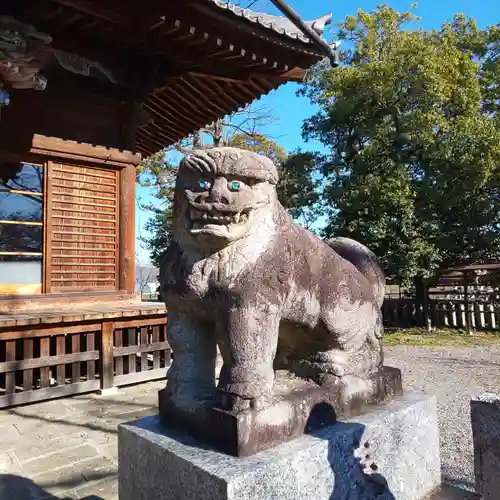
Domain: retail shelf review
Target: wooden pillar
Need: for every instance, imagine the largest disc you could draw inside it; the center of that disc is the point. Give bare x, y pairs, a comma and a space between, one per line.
127, 229
107, 361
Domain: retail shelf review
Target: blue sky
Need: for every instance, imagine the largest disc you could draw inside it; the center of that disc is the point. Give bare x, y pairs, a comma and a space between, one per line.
290, 110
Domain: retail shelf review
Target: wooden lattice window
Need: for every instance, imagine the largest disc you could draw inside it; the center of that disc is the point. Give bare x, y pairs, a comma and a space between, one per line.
21, 228
83, 228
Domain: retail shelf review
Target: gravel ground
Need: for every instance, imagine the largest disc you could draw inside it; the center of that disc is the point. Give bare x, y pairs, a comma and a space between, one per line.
453, 375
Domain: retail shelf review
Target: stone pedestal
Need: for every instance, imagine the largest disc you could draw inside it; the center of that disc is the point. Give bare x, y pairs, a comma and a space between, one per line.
485, 420
389, 453
298, 406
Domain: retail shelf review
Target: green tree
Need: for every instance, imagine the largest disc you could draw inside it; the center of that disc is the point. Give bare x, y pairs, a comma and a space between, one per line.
414, 150
258, 143
299, 188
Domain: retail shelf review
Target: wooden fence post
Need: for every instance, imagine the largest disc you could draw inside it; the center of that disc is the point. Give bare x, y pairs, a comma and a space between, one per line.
491, 322
107, 361
466, 301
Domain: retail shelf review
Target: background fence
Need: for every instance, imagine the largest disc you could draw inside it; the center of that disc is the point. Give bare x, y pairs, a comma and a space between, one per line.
406, 312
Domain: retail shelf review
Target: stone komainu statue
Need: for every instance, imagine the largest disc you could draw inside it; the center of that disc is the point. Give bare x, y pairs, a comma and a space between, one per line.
242, 276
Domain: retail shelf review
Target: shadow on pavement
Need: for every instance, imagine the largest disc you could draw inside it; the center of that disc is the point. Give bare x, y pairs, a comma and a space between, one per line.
14, 487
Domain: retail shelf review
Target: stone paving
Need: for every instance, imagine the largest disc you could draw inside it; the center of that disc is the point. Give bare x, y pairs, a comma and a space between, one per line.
67, 448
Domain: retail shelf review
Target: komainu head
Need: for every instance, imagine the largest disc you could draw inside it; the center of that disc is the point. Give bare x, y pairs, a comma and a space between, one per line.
221, 194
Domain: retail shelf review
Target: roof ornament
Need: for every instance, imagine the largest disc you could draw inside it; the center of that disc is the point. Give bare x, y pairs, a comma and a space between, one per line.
25, 52
311, 31
22, 54
319, 25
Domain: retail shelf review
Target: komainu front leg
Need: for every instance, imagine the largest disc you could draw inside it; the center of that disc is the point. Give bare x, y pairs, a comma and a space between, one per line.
191, 377
247, 338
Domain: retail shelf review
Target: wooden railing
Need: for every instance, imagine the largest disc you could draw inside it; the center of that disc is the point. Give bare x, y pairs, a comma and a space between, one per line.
52, 360
140, 351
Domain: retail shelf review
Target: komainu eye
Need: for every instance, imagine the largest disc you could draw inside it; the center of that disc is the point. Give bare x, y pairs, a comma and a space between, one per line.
235, 185
204, 184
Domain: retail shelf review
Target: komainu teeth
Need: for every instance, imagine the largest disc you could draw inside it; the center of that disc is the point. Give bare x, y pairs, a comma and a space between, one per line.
237, 218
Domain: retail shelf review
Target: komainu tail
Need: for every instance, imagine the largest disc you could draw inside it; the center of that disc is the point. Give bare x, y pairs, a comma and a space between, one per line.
364, 260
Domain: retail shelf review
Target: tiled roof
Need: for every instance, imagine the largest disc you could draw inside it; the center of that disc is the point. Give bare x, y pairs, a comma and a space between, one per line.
278, 24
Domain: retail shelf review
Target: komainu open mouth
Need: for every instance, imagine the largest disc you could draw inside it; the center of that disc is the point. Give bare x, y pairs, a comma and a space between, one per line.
201, 218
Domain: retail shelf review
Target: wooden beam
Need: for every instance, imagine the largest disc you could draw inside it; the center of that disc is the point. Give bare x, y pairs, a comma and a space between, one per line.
217, 77
140, 322
94, 9
161, 9
171, 112
153, 138
24, 397
123, 351
228, 23
202, 100
208, 53
294, 74
62, 359
145, 145
220, 93
136, 68
50, 145
45, 331
135, 378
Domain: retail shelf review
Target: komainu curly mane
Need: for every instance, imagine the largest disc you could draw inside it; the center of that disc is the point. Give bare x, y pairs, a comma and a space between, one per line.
242, 276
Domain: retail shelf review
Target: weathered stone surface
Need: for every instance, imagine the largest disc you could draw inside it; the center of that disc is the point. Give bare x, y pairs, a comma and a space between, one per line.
98, 468
10, 437
59, 458
106, 490
389, 453
297, 406
8, 463
242, 277
485, 420
446, 492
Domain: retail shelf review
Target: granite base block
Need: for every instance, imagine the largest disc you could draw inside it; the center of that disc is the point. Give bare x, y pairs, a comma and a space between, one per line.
299, 406
390, 453
485, 420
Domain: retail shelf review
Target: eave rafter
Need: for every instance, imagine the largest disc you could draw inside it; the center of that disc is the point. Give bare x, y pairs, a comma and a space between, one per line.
187, 62
205, 54
224, 94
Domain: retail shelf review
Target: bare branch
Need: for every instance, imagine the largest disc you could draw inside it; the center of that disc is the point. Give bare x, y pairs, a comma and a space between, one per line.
240, 129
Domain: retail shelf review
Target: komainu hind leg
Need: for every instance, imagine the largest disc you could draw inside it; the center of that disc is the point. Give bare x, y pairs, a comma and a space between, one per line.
349, 366
340, 363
